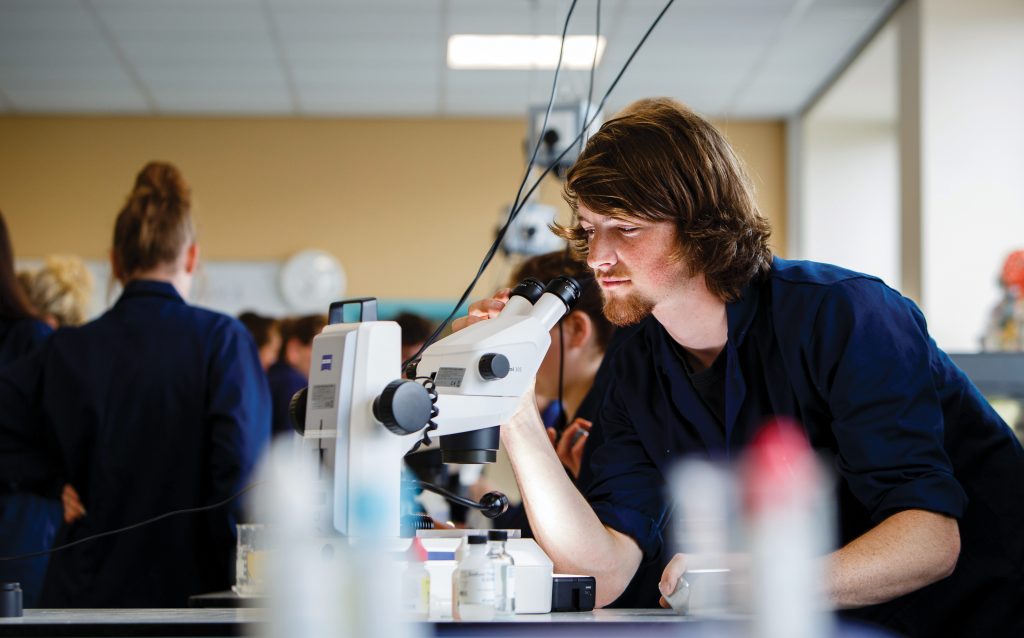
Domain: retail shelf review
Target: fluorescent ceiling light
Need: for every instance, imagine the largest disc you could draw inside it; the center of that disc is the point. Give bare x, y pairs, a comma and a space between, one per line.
522, 51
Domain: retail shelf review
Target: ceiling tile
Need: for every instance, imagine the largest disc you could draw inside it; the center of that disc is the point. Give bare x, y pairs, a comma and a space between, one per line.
387, 56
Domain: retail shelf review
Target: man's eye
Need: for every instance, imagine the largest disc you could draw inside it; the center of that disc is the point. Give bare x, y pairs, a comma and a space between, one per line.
589, 232
628, 230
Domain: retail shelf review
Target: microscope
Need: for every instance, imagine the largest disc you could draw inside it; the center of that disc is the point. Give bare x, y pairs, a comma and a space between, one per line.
358, 418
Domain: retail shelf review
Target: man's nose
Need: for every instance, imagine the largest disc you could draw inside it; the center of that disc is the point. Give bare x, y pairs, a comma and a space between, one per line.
600, 253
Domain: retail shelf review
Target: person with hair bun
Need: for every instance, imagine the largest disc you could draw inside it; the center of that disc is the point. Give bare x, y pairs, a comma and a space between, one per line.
154, 407
29, 509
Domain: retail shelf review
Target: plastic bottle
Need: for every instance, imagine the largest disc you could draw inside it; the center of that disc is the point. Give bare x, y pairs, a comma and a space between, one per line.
416, 581
786, 502
504, 574
473, 582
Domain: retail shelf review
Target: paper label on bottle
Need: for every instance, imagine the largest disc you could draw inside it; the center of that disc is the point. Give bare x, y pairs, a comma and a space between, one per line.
476, 587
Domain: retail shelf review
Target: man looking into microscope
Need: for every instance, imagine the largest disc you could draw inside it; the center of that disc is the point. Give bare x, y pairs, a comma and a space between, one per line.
931, 489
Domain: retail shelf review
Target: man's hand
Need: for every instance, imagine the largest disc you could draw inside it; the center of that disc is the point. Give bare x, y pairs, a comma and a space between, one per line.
483, 309
570, 446
670, 578
73, 508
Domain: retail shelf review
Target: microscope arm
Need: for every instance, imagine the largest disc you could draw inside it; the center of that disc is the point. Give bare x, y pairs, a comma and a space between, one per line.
480, 375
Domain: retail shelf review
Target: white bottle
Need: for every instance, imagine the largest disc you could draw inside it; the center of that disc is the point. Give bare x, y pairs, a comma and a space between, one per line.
416, 581
473, 582
504, 574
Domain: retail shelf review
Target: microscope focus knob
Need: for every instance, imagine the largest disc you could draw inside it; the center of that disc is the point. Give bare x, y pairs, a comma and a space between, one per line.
297, 410
403, 407
493, 366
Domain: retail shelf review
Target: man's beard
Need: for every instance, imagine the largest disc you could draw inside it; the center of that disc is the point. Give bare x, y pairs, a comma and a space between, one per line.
628, 310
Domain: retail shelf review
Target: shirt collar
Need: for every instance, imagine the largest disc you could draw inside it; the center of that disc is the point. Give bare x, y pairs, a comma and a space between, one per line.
150, 288
740, 313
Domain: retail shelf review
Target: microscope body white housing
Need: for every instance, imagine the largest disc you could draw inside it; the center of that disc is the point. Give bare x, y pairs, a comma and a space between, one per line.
480, 374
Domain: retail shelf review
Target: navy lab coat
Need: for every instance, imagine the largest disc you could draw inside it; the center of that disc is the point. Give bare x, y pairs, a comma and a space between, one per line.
30, 512
284, 382
155, 406
851, 360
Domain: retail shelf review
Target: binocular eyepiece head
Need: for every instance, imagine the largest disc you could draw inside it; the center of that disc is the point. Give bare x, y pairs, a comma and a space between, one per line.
564, 287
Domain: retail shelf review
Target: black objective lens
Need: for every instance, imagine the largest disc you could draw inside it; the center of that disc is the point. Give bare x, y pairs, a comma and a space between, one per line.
476, 446
565, 288
530, 289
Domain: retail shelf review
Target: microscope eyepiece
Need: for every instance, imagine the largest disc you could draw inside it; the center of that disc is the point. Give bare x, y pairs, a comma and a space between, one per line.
565, 288
530, 289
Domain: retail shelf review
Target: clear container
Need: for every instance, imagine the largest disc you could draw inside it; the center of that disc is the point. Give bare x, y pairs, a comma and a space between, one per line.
473, 583
504, 574
251, 560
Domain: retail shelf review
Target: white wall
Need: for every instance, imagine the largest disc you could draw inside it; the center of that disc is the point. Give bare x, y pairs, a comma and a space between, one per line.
972, 159
922, 181
849, 198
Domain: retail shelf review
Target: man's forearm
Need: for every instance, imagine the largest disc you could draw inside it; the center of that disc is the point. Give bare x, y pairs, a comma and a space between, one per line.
563, 522
903, 553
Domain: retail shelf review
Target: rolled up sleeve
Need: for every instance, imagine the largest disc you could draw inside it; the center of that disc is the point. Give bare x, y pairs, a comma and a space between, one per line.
627, 491
872, 357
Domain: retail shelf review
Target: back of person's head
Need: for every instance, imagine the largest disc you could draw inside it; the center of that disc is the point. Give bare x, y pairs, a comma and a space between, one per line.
415, 328
305, 328
266, 332
155, 225
659, 161
60, 290
14, 303
297, 340
261, 328
560, 262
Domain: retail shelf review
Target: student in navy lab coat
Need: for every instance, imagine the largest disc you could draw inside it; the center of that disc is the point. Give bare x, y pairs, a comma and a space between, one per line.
291, 371
29, 510
156, 406
931, 480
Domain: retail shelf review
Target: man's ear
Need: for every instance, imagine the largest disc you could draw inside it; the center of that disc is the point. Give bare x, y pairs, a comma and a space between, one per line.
191, 257
579, 329
115, 267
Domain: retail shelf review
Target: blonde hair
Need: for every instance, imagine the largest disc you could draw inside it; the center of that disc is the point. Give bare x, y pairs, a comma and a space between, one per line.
60, 288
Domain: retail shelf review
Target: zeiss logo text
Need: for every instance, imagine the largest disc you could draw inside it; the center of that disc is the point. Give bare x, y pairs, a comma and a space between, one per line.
325, 362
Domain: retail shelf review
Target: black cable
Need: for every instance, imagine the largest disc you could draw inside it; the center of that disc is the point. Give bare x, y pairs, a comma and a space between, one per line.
428, 385
563, 418
547, 113
516, 204
492, 504
515, 210
590, 87
191, 510
603, 99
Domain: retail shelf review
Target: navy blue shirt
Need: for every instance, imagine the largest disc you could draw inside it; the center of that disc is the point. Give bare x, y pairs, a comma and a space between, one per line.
284, 381
18, 337
155, 406
851, 360
30, 512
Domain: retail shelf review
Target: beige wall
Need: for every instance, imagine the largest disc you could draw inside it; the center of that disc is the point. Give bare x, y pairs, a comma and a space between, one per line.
762, 147
408, 206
